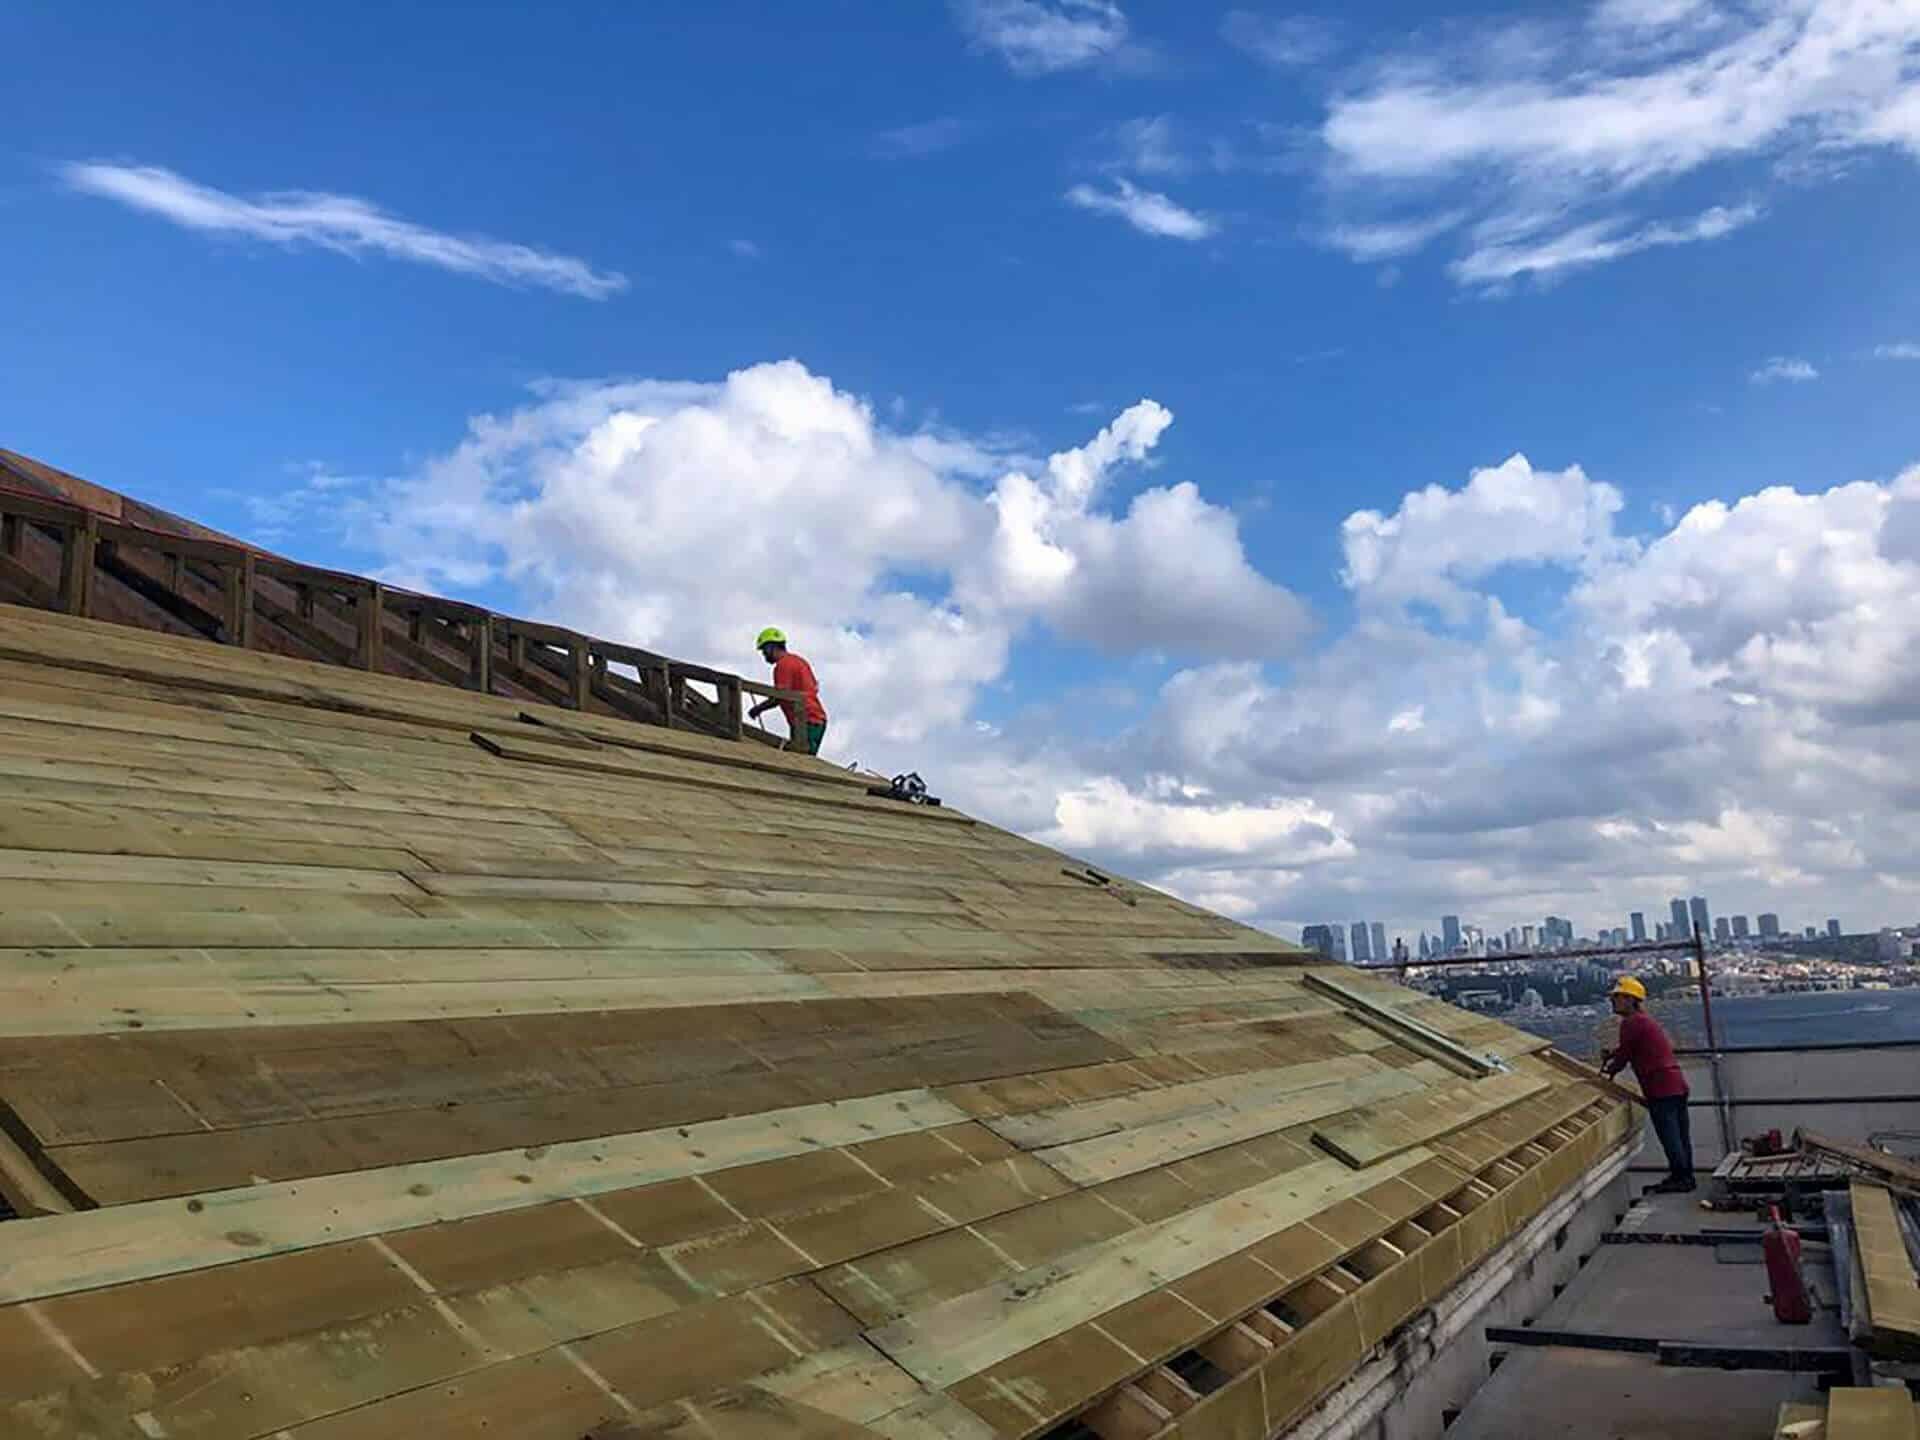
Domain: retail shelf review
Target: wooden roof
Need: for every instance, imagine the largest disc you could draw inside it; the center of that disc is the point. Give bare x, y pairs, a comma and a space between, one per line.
604, 1080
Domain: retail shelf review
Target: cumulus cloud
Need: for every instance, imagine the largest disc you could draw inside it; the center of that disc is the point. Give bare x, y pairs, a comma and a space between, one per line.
1901, 350
1724, 706
1790, 369
1440, 540
1147, 211
340, 223
685, 516
1548, 126
1041, 37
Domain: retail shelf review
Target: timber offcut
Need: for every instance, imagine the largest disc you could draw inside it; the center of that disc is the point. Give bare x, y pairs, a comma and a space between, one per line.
385, 1054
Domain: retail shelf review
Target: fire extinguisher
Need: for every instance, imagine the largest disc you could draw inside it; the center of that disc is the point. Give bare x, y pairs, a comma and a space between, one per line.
1781, 1247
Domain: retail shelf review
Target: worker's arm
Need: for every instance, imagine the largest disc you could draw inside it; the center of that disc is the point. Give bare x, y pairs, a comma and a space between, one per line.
1614, 1061
757, 711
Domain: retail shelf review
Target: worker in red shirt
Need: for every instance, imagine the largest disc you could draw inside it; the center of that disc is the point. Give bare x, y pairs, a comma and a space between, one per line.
1644, 1046
792, 672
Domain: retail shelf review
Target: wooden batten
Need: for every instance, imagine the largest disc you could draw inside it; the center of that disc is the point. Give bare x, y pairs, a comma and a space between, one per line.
416, 1021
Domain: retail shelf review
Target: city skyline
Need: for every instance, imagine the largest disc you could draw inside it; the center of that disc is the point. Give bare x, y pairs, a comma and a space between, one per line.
1373, 941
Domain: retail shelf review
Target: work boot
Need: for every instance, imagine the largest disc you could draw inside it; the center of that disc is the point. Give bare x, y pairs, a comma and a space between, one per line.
1672, 1185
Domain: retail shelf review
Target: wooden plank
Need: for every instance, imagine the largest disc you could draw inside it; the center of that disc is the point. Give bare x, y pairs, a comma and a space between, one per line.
963, 1336
1126, 1152
1379, 1132
66, 1253
1893, 1291
1891, 1167
1423, 1038
1858, 1412
526, 750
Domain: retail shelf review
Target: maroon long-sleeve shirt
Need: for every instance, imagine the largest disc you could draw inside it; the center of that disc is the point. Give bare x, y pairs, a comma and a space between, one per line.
1644, 1046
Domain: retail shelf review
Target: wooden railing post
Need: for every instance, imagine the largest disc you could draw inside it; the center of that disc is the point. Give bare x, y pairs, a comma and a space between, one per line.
480, 662
370, 603
579, 674
240, 601
730, 698
76, 565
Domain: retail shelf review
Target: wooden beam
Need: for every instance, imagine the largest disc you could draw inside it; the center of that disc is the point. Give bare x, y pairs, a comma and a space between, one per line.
76, 565
370, 606
1130, 1413
480, 653
1891, 1167
240, 602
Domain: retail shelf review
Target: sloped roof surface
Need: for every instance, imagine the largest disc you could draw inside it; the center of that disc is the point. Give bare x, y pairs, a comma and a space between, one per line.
409, 1068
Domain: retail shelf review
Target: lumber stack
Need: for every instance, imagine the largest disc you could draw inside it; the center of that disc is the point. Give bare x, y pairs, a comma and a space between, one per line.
1882, 1225
377, 1062
1879, 1412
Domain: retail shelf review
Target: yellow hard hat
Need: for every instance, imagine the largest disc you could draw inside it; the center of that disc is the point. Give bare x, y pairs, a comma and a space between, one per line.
1630, 987
772, 635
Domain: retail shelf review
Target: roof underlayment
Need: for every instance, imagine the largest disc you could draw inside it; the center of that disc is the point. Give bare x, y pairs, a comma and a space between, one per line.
379, 1059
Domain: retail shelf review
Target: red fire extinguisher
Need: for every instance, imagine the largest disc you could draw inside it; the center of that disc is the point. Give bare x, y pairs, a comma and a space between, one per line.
1781, 1247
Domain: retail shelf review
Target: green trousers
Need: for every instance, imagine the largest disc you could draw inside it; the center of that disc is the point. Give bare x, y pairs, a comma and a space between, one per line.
815, 734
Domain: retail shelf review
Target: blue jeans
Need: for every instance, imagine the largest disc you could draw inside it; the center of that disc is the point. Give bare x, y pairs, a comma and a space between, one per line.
1670, 1125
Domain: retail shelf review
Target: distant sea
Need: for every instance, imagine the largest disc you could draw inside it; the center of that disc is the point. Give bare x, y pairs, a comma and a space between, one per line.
1828, 1017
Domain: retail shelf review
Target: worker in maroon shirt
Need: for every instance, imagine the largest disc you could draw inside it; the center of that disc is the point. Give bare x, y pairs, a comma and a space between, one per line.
1644, 1046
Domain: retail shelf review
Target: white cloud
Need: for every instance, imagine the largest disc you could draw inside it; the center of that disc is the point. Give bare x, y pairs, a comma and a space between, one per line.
1546, 124
1102, 814
685, 516
1902, 350
340, 223
1392, 240
1508, 514
1282, 41
1594, 243
1041, 37
1726, 706
1788, 368
745, 249
928, 137
1146, 146
1147, 211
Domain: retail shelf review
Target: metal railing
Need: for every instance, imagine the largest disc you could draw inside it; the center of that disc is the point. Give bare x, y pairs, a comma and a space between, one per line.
1723, 1103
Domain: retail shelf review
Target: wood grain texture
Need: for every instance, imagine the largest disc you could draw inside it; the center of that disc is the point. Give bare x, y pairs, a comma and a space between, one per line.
611, 1080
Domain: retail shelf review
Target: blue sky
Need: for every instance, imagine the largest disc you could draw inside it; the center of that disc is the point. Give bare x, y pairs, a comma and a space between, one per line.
268, 271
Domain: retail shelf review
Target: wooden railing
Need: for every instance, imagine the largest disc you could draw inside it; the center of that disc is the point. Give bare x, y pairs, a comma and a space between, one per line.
227, 593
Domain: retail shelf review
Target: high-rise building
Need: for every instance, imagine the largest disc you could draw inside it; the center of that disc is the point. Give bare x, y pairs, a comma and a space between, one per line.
1833, 929
1526, 937
1339, 943
1740, 930
1362, 951
1722, 930
1661, 930
1555, 932
1426, 949
1318, 937
1697, 912
1812, 933
1377, 932
1450, 934
1682, 928
1639, 923
1769, 927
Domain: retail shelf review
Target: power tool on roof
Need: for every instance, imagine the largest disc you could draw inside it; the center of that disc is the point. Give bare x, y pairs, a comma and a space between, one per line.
909, 789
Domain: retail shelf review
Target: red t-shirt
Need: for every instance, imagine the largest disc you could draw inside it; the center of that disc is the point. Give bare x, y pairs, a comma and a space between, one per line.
791, 672
1644, 1045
